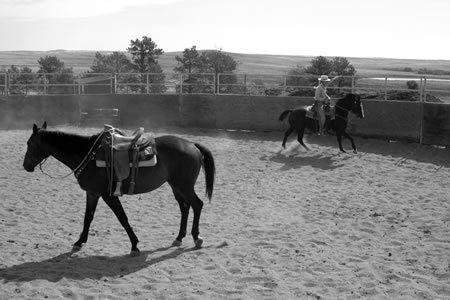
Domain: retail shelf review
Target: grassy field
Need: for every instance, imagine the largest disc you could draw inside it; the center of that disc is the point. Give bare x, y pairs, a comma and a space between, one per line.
247, 63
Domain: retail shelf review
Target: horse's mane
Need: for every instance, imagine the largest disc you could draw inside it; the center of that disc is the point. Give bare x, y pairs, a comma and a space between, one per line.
73, 141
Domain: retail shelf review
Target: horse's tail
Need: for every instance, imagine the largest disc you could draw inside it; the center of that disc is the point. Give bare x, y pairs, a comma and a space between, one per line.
209, 167
284, 114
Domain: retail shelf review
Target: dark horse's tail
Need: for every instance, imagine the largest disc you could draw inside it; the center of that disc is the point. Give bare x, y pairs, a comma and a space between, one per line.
210, 169
284, 114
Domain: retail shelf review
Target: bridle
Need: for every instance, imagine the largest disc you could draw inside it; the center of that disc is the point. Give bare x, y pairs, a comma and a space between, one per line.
344, 109
87, 158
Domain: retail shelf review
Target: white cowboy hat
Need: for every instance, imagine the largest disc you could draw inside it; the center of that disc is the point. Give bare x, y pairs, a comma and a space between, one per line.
324, 78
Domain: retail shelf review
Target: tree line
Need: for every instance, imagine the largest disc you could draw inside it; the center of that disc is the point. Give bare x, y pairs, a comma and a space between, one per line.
196, 66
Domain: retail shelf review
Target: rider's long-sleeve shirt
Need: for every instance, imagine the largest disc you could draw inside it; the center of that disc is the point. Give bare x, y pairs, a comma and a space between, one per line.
321, 93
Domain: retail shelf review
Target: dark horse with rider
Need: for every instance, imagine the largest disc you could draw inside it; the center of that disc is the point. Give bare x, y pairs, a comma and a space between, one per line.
324, 115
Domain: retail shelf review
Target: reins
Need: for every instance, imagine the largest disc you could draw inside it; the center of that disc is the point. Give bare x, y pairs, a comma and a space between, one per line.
343, 108
77, 171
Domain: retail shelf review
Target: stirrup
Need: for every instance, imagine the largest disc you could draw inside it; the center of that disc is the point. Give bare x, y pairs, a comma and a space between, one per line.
118, 191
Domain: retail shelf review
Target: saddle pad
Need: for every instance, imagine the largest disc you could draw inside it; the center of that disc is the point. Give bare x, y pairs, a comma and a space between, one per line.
309, 112
144, 163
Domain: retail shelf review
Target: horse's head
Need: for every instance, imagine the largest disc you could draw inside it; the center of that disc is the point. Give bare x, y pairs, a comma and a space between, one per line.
357, 108
35, 153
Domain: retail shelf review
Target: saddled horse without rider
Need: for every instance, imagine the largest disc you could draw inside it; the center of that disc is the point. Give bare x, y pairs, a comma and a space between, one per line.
301, 118
178, 163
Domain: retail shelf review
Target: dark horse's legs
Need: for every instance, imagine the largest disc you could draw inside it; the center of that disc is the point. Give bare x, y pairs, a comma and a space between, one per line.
343, 133
91, 205
300, 134
197, 206
184, 209
286, 135
186, 201
115, 205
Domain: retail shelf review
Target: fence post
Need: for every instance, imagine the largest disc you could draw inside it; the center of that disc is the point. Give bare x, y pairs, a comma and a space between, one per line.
6, 84
385, 88
218, 84
423, 99
45, 84
181, 84
147, 87
421, 89
284, 85
353, 84
245, 84
111, 81
115, 88
79, 84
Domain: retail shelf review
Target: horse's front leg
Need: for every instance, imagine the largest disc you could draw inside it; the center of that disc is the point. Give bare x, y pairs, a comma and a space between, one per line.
339, 139
351, 141
115, 205
345, 134
91, 205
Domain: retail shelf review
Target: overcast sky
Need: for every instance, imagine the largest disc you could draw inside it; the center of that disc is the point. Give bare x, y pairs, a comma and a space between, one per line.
349, 28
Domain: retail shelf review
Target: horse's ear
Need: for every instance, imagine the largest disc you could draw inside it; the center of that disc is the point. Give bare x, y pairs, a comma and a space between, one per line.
44, 126
35, 128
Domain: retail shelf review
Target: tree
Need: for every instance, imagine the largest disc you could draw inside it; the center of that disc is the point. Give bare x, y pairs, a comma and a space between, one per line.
115, 62
412, 85
342, 67
338, 66
54, 73
20, 79
320, 66
189, 63
295, 80
218, 62
145, 56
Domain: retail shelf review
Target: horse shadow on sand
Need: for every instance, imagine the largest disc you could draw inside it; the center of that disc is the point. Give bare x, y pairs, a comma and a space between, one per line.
69, 265
292, 159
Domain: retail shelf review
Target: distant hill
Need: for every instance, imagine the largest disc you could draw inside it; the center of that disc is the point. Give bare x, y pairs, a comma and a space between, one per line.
248, 63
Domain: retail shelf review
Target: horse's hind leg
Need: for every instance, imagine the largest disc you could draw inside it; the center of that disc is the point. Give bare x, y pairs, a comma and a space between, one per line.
286, 135
197, 206
116, 207
91, 205
184, 209
186, 201
300, 134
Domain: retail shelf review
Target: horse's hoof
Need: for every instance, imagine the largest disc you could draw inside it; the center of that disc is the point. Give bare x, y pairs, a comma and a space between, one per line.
135, 253
354, 151
198, 242
177, 243
76, 248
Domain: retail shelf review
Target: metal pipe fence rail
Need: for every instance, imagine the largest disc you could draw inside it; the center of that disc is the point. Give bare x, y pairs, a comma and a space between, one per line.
385, 87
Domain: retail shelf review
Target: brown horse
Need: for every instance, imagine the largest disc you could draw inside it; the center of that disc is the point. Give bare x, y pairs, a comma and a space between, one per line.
298, 120
179, 164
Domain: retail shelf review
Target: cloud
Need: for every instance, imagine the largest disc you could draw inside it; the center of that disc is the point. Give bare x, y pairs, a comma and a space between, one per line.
32, 10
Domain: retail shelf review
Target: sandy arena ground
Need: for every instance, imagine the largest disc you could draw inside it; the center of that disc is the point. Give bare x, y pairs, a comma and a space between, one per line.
281, 225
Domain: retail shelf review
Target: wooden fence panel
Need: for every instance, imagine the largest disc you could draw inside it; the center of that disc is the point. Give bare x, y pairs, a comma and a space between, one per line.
436, 124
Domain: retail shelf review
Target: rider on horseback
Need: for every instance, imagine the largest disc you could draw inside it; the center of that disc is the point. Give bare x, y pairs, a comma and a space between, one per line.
321, 98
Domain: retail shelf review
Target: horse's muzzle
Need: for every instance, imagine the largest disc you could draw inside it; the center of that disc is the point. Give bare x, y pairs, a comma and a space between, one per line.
28, 168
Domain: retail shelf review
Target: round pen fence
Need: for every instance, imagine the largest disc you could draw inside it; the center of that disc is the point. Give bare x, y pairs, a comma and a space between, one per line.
422, 122
382, 87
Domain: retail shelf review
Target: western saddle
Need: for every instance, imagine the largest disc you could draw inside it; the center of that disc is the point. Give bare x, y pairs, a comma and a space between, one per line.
123, 153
